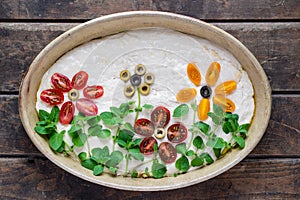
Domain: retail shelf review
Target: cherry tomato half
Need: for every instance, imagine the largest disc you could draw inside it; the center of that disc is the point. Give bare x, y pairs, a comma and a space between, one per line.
79, 80
87, 107
167, 152
93, 92
66, 112
177, 133
52, 96
147, 145
160, 116
61, 82
144, 127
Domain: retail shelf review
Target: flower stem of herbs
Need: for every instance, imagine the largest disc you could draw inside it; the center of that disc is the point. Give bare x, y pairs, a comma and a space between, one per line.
126, 166
114, 140
139, 106
193, 134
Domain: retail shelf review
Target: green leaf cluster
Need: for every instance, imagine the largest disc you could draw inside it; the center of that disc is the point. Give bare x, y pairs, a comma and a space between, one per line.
47, 127
181, 110
101, 159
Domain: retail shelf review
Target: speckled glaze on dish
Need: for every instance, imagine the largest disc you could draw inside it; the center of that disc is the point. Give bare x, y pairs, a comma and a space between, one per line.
120, 22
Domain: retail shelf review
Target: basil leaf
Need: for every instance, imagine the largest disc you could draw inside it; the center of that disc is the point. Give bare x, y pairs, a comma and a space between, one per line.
89, 164
125, 135
56, 140
94, 120
79, 140
94, 130
100, 155
203, 127
182, 164
136, 153
41, 130
128, 126
218, 110
43, 115
115, 158
181, 110
240, 141
148, 106
158, 170
54, 115
198, 142
181, 148
82, 156
98, 170
197, 161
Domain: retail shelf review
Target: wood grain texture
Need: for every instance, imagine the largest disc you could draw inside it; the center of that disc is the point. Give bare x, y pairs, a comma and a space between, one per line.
276, 48
39, 178
282, 137
201, 9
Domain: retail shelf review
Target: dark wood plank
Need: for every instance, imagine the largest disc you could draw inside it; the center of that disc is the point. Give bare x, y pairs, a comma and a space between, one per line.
282, 137
275, 45
202, 9
251, 179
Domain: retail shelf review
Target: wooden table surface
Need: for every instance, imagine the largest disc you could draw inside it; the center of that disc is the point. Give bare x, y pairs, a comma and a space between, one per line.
270, 29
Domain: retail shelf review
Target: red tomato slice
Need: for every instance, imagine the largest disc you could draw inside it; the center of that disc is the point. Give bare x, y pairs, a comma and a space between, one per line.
177, 133
167, 152
61, 82
87, 107
79, 80
93, 92
52, 96
160, 117
66, 112
147, 145
144, 127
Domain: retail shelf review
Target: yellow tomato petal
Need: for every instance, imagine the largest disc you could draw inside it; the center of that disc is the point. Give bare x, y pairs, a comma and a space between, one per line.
212, 73
226, 104
226, 88
193, 73
186, 95
203, 109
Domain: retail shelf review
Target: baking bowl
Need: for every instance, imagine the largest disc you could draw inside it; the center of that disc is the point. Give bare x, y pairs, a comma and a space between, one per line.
116, 23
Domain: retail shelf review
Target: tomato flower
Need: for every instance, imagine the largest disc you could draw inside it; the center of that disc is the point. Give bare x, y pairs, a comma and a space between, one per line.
220, 91
62, 84
160, 118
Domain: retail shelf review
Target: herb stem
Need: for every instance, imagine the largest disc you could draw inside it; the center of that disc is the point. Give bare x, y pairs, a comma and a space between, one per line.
141, 164
116, 136
139, 106
126, 165
193, 133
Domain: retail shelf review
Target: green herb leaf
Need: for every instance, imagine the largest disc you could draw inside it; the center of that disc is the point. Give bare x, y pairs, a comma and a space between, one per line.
148, 106
158, 170
89, 163
115, 158
41, 130
136, 153
54, 115
43, 115
215, 118
181, 148
82, 156
220, 143
56, 140
134, 174
240, 141
243, 128
181, 110
218, 110
198, 142
100, 155
197, 161
207, 158
182, 164
98, 170
128, 126
125, 135
194, 106
93, 120
79, 140
75, 130
217, 152
110, 119
94, 130
203, 127
113, 170
116, 111
190, 153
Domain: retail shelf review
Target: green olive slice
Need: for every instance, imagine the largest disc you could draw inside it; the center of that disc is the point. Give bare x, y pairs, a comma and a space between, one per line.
149, 78
159, 133
73, 94
140, 69
129, 90
144, 89
125, 75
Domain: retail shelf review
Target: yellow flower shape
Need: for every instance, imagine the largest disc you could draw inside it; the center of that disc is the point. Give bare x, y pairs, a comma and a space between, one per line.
220, 91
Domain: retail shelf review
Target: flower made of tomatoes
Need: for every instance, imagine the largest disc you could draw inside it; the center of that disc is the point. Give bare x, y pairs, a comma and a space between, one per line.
136, 80
62, 84
176, 133
220, 91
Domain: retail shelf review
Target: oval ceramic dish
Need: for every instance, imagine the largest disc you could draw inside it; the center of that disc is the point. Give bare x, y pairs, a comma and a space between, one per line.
120, 22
